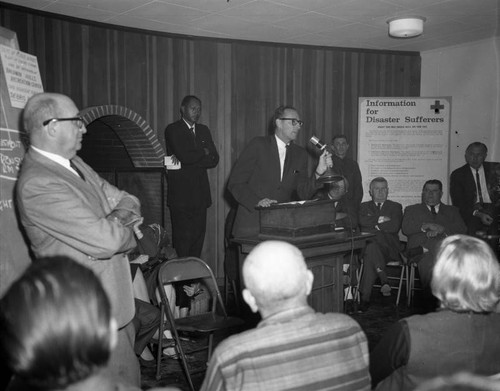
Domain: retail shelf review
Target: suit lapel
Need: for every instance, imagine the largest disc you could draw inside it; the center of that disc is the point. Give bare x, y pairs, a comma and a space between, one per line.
275, 159
87, 190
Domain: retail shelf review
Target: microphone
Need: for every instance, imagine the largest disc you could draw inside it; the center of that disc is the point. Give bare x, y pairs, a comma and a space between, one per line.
317, 143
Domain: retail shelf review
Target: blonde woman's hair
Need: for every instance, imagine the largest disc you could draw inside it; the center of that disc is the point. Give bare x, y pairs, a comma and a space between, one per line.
466, 276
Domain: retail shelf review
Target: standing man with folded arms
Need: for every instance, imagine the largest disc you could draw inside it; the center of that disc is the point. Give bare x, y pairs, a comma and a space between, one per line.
188, 191
272, 169
67, 209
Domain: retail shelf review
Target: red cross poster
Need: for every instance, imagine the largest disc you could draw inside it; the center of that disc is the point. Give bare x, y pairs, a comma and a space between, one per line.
406, 141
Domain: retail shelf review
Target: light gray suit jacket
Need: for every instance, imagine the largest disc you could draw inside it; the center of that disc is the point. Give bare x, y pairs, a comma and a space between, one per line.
66, 216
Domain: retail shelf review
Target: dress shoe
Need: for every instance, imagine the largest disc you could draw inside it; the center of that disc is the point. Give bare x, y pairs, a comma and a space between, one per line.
349, 306
385, 290
363, 306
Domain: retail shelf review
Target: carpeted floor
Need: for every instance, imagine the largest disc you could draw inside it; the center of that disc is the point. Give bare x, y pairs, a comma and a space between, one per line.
382, 313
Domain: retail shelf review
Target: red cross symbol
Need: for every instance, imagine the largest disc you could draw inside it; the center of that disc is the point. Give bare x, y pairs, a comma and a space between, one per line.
437, 106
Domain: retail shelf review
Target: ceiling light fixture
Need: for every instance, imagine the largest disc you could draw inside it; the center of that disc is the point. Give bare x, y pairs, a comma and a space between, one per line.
406, 26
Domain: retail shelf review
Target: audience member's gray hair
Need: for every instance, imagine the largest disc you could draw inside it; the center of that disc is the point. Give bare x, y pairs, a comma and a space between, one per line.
466, 276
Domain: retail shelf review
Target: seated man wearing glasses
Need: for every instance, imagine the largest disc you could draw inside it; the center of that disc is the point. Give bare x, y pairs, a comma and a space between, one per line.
68, 210
272, 169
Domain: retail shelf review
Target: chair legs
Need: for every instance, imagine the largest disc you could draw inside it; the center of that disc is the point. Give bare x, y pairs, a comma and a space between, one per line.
359, 275
411, 287
404, 277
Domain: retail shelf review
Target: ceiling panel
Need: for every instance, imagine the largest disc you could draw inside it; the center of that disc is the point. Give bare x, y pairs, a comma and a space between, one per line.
344, 23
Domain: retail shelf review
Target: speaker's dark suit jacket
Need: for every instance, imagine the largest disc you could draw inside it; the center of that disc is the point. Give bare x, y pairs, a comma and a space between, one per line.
256, 175
463, 192
189, 186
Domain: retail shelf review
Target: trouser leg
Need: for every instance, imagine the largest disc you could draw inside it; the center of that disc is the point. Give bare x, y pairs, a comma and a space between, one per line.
188, 230
374, 267
123, 365
146, 322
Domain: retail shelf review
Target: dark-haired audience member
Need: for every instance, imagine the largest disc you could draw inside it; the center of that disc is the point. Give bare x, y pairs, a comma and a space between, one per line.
472, 192
293, 347
56, 329
462, 336
188, 191
425, 225
381, 217
348, 167
272, 169
67, 209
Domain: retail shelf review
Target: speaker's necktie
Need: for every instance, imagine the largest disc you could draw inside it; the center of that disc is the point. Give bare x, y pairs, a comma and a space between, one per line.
433, 210
74, 167
379, 206
478, 183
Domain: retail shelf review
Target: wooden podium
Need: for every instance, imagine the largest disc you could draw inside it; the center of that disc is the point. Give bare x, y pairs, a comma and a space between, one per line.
324, 252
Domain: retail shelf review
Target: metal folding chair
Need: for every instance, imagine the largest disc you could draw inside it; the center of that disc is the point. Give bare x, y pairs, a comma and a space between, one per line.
192, 268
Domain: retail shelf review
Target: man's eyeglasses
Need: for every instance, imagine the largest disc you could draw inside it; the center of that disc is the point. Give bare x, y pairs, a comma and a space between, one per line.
295, 121
77, 121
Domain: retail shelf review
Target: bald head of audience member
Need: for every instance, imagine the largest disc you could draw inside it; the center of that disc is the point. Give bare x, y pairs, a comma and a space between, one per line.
276, 278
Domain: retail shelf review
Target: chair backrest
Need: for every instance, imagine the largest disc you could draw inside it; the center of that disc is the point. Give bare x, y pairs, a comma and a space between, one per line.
190, 268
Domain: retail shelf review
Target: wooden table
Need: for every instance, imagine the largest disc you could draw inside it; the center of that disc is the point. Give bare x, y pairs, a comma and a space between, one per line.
325, 255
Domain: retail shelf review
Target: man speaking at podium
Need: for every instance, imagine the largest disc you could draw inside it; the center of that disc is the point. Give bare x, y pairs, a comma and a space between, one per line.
272, 169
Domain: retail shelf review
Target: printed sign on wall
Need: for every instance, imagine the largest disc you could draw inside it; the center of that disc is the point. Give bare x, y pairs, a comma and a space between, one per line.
21, 74
406, 141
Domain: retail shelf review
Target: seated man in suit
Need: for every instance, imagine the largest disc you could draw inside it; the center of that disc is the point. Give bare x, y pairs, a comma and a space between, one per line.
381, 217
293, 346
472, 191
426, 224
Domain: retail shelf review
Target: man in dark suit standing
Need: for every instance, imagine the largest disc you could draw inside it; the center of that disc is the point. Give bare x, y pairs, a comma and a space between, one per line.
68, 210
188, 191
272, 169
348, 168
426, 224
471, 191
381, 217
